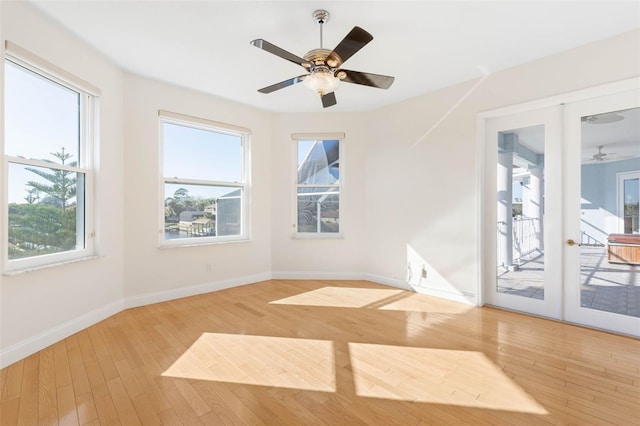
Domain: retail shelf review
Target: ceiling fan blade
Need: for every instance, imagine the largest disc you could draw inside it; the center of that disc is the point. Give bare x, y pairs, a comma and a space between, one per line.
328, 100
272, 48
368, 79
282, 84
354, 41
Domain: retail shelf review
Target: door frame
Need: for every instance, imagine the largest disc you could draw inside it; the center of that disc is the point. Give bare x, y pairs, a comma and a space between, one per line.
551, 119
483, 212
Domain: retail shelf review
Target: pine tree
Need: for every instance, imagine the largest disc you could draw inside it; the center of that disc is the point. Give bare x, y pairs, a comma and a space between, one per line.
63, 182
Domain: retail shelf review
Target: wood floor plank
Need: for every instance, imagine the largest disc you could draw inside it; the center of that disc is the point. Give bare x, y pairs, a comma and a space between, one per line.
79, 377
147, 413
47, 389
123, 404
67, 406
28, 413
86, 409
326, 352
12, 386
61, 359
9, 410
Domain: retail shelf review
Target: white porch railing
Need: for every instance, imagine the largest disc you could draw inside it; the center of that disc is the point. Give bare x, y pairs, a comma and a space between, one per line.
526, 237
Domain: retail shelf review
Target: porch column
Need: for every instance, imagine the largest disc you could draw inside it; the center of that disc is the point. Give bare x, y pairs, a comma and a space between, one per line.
536, 207
504, 216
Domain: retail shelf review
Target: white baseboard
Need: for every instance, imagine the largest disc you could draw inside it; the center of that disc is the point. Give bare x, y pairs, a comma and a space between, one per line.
163, 296
33, 344
310, 275
469, 299
393, 282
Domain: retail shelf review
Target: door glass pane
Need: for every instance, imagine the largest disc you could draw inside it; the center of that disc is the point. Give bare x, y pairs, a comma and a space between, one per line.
520, 212
610, 242
630, 207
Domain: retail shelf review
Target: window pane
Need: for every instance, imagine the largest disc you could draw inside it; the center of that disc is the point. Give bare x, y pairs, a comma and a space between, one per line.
631, 206
44, 215
201, 154
193, 211
520, 208
318, 162
41, 117
319, 210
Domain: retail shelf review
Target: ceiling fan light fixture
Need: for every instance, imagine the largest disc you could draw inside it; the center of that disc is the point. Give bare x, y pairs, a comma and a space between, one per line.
605, 118
322, 81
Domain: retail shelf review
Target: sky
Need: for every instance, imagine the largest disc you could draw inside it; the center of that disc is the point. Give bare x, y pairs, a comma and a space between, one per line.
192, 153
41, 117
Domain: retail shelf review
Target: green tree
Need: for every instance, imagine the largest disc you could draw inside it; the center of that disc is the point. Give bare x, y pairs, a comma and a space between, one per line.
62, 185
33, 195
46, 224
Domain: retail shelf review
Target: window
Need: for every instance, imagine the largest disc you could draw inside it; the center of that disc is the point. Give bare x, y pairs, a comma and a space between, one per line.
204, 186
48, 124
629, 201
318, 185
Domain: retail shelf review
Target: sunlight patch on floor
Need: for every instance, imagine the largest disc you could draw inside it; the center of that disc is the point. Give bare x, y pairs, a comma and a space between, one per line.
437, 376
259, 360
340, 297
420, 303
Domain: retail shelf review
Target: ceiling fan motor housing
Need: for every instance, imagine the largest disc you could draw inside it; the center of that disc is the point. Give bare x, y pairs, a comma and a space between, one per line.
320, 57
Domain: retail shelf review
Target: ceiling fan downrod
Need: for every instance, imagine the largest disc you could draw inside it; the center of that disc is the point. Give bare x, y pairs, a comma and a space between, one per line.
321, 16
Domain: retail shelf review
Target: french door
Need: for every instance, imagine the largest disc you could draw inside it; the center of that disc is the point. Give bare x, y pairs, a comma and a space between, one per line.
601, 162
562, 209
524, 212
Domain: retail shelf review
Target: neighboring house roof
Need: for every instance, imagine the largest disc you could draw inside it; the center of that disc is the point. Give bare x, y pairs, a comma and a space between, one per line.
233, 194
188, 216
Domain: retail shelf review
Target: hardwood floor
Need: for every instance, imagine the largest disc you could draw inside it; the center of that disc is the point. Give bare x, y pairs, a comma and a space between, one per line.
325, 352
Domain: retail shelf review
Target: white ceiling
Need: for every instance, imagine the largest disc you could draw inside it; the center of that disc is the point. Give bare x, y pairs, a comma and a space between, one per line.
426, 45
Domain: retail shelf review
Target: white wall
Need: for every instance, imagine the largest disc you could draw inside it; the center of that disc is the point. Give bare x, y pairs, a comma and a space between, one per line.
431, 218
403, 203
152, 273
319, 258
40, 307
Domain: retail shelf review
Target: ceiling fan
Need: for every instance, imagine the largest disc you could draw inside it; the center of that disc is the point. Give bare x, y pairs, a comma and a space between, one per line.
323, 66
600, 156
605, 156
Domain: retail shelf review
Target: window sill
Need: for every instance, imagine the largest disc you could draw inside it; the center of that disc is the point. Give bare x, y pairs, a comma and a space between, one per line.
317, 236
50, 265
203, 244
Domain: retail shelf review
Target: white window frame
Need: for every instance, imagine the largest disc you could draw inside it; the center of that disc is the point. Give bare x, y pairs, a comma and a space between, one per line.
620, 179
89, 107
213, 126
296, 137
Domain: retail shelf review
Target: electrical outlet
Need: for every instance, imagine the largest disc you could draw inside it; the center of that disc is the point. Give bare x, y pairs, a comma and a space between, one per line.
209, 267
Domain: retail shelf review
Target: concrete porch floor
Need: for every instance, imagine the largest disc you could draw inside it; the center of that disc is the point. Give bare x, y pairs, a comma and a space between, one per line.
605, 286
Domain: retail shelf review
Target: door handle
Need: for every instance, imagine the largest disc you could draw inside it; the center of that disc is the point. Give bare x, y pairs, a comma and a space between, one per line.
572, 243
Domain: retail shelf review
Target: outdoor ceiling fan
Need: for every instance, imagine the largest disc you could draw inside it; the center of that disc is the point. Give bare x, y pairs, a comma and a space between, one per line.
323, 66
600, 156
606, 156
